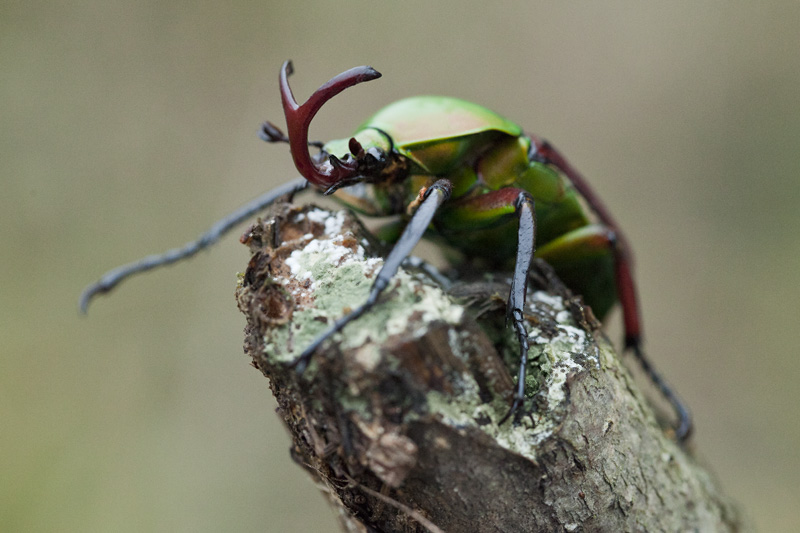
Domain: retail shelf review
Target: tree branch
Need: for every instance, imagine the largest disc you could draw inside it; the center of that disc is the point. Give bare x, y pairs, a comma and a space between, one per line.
396, 417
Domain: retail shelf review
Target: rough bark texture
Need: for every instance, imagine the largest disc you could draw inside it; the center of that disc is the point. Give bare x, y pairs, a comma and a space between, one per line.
397, 417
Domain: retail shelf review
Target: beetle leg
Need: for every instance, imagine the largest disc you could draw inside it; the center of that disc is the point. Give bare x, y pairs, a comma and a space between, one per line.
113, 277
623, 263
526, 213
417, 263
435, 196
488, 210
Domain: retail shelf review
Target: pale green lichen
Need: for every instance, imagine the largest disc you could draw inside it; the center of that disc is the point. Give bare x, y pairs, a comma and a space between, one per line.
406, 296
551, 360
338, 278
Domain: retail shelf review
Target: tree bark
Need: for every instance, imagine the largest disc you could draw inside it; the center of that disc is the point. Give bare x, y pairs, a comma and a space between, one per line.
397, 416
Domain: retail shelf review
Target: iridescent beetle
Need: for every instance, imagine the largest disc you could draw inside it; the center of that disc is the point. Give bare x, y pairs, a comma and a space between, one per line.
472, 176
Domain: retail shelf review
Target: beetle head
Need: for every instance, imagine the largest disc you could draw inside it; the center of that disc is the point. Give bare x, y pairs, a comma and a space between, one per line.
334, 172
371, 153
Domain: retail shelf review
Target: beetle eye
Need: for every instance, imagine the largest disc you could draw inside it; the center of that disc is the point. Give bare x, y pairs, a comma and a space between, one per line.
376, 155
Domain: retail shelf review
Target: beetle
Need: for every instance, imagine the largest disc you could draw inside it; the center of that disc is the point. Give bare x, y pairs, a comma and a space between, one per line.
477, 181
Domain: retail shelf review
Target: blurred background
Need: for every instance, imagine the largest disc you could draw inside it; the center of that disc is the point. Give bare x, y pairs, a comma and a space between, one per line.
129, 127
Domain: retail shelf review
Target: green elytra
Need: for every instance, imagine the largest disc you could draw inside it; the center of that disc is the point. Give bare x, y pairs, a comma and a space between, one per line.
470, 177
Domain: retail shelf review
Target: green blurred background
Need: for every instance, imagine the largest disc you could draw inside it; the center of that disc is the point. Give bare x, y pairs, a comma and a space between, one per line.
128, 127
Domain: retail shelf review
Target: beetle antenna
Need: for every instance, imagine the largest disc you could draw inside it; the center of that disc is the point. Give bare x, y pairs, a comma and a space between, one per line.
298, 119
271, 133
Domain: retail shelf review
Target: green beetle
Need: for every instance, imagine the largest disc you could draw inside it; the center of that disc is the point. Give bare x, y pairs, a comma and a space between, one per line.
472, 177
480, 152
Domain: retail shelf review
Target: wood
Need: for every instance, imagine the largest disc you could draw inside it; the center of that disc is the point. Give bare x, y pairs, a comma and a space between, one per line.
396, 417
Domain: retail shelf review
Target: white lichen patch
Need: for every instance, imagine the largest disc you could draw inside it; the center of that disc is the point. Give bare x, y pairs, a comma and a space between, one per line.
331, 275
406, 296
334, 273
552, 301
556, 357
321, 215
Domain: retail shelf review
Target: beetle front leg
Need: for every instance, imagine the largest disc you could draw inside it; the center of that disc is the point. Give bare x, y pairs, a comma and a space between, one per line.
433, 198
112, 278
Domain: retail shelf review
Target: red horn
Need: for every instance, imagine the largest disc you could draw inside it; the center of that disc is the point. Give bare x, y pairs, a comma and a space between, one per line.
298, 119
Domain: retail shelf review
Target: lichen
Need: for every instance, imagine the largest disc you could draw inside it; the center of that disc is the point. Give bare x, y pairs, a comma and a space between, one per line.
552, 360
336, 275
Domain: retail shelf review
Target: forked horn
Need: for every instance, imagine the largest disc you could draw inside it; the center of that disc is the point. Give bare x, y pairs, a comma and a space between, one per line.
298, 119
